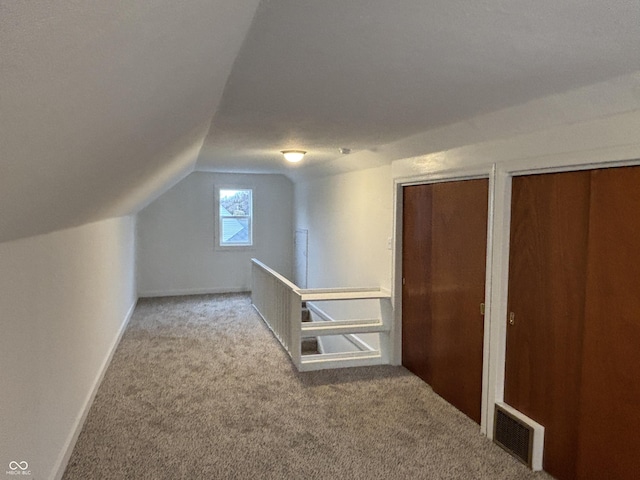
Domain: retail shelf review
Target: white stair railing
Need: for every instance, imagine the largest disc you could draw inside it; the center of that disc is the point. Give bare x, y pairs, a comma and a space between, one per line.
279, 303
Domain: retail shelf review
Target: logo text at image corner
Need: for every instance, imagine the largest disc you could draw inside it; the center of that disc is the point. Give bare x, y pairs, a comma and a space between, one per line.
18, 468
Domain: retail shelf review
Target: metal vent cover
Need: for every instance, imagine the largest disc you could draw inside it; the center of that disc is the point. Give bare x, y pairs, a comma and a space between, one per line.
519, 435
513, 436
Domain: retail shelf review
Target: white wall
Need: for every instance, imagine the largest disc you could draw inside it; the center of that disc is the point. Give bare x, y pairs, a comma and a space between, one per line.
64, 298
349, 218
176, 243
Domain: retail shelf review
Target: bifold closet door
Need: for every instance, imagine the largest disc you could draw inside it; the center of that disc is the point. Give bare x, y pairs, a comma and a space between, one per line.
444, 265
610, 399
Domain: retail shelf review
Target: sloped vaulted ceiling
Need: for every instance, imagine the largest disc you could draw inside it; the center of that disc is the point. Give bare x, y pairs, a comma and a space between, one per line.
324, 74
105, 104
102, 100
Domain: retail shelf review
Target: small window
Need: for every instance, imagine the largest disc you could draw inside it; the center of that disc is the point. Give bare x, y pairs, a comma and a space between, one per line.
236, 210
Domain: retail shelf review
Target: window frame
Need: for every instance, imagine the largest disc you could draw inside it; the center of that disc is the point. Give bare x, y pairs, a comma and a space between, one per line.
218, 243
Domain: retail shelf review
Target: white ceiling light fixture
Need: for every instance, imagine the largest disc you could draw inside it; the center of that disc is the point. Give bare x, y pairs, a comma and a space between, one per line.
293, 156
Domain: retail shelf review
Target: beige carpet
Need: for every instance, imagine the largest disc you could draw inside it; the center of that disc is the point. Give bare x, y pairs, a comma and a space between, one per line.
200, 389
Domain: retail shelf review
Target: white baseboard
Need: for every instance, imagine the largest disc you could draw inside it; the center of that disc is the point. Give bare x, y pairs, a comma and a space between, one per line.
63, 460
192, 291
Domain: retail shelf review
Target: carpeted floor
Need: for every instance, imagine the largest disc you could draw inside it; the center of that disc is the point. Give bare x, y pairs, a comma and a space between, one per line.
199, 389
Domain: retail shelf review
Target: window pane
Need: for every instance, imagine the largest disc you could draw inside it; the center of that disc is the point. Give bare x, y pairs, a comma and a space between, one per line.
236, 230
235, 202
235, 217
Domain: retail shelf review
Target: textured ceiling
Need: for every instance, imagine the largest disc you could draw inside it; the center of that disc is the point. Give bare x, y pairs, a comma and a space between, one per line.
320, 75
105, 105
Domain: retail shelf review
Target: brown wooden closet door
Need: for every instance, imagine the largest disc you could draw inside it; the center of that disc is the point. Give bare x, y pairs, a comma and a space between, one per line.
547, 271
444, 256
458, 271
610, 414
416, 290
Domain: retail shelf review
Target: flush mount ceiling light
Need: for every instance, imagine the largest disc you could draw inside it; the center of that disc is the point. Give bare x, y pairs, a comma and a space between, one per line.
293, 156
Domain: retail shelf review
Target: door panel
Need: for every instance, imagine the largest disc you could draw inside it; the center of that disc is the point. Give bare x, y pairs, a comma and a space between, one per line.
610, 413
459, 225
416, 291
444, 256
547, 272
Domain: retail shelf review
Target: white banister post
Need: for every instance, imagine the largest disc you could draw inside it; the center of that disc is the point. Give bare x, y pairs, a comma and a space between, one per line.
386, 314
254, 285
295, 328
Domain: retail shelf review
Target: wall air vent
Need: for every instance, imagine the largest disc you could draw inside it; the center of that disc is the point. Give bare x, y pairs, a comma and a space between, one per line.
519, 435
